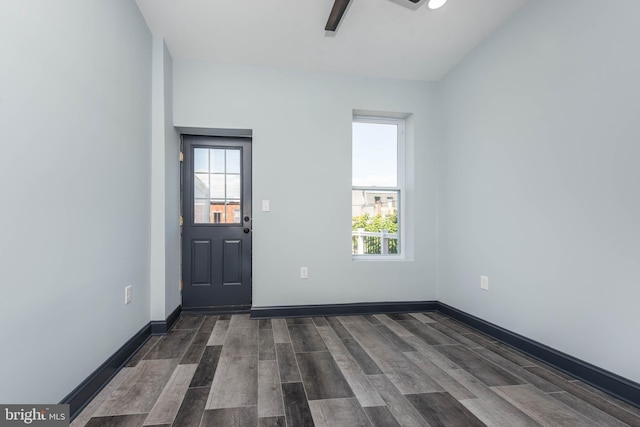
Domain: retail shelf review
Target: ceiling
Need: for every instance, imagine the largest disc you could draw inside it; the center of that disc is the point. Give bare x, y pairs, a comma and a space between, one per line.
380, 38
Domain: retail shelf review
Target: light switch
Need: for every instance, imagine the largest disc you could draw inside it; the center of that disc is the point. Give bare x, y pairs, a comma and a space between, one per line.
265, 206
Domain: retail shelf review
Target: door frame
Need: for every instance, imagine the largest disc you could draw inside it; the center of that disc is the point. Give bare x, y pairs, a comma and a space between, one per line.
245, 135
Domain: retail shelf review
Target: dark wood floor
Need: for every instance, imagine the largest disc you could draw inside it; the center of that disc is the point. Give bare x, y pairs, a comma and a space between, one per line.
420, 369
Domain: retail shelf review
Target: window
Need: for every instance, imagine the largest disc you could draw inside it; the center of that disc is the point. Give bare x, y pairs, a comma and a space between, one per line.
377, 186
217, 184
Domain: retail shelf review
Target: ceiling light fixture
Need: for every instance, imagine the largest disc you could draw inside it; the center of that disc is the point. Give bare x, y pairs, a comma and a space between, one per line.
436, 4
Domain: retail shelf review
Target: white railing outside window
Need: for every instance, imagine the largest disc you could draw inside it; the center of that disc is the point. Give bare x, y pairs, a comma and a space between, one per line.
374, 242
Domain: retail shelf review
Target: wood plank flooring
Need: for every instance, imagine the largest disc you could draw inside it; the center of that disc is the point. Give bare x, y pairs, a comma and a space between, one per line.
417, 369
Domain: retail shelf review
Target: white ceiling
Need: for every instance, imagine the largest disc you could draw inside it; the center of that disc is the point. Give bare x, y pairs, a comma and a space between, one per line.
380, 38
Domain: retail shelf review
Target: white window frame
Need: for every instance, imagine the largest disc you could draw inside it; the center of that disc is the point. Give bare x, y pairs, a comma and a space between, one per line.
400, 188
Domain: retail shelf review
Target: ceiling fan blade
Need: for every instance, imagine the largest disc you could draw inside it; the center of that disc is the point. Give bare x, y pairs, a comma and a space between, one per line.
339, 6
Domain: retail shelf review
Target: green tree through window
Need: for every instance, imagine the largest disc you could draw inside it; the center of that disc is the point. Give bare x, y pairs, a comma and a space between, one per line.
377, 223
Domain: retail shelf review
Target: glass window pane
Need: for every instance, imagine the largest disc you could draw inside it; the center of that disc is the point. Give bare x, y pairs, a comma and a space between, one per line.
201, 186
233, 161
201, 211
217, 211
374, 219
232, 212
375, 155
217, 186
233, 186
201, 160
217, 160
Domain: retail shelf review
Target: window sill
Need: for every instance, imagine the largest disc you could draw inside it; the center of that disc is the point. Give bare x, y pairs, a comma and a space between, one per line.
379, 258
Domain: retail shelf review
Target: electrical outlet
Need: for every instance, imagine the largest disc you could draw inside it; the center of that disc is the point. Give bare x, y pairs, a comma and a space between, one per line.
304, 273
484, 283
127, 294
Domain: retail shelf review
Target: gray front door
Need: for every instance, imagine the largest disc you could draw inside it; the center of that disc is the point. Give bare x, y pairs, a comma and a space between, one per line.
216, 234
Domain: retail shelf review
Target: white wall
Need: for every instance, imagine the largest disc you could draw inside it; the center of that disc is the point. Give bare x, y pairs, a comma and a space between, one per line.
172, 195
165, 189
74, 178
301, 124
539, 183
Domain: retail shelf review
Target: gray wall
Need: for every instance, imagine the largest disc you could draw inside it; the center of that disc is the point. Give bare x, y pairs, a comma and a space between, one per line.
74, 177
301, 124
172, 194
539, 180
165, 189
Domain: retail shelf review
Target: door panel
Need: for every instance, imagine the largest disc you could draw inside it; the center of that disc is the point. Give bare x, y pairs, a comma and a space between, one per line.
201, 262
232, 259
216, 234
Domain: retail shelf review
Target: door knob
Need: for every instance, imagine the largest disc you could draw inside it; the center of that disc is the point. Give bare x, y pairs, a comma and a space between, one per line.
246, 219
246, 230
